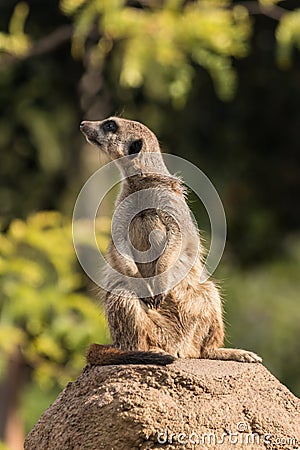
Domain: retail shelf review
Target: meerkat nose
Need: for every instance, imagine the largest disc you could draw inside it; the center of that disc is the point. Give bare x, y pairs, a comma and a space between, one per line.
85, 127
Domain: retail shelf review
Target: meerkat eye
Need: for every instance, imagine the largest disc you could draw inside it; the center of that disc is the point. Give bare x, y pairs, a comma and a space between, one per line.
135, 147
110, 125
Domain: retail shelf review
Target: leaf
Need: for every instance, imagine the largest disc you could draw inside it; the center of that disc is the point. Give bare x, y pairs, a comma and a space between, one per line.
43, 308
16, 41
288, 37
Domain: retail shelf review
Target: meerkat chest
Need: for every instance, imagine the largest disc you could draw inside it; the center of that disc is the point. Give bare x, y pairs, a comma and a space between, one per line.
148, 238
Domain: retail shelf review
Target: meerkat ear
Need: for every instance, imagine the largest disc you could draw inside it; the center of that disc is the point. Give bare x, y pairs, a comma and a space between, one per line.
135, 147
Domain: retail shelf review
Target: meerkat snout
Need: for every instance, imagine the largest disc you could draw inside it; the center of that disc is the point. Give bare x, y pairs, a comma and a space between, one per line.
84, 126
89, 130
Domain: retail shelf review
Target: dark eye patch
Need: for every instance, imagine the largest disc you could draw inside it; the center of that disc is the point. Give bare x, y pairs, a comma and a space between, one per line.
135, 147
110, 126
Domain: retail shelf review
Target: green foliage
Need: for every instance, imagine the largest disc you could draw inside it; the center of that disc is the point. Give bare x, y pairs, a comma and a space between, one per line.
36, 137
16, 42
43, 310
288, 37
263, 315
158, 47
3, 446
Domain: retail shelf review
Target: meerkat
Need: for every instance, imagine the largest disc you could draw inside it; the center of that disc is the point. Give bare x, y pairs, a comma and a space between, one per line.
163, 319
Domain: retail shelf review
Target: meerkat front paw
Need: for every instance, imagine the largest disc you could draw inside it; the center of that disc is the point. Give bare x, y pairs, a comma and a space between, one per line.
249, 357
153, 302
149, 302
233, 354
245, 356
158, 299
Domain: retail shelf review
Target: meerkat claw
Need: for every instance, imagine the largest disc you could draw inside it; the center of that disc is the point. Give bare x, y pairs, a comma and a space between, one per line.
149, 301
157, 300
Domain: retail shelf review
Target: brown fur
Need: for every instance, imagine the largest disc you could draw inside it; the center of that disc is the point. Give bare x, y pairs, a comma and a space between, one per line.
106, 355
184, 321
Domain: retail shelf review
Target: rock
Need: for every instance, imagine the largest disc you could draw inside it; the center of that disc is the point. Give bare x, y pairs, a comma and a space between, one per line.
189, 404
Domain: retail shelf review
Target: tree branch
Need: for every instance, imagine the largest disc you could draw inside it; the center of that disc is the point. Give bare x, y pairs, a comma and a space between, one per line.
51, 42
42, 46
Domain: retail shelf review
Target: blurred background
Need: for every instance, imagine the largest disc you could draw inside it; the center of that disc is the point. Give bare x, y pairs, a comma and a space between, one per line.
219, 82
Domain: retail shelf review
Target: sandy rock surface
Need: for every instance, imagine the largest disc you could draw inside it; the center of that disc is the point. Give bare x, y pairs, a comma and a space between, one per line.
190, 404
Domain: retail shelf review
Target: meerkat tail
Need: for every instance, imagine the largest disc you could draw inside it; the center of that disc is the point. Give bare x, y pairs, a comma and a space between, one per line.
106, 355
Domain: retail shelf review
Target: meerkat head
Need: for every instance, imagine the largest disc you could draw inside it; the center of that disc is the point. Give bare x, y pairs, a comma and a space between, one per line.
119, 138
